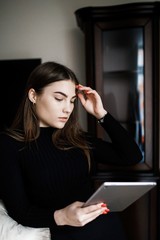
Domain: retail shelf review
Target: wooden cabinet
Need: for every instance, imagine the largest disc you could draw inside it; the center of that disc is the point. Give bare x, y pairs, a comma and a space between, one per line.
122, 49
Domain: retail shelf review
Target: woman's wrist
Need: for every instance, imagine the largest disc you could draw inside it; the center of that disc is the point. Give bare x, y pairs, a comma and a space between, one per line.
58, 217
102, 115
101, 120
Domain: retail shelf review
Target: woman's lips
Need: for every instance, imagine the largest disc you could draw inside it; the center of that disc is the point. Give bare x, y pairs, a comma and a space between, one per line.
63, 119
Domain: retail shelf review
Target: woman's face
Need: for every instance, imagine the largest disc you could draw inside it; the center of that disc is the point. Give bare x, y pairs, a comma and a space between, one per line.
55, 105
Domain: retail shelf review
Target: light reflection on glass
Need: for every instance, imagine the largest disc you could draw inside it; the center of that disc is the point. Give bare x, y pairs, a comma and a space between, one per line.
140, 88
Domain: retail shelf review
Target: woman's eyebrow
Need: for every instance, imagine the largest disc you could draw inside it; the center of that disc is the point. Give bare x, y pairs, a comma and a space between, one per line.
65, 95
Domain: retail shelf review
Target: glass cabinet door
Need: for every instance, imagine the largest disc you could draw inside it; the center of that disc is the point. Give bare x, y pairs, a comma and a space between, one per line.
123, 78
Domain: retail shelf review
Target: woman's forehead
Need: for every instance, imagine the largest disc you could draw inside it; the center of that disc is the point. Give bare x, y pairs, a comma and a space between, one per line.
66, 86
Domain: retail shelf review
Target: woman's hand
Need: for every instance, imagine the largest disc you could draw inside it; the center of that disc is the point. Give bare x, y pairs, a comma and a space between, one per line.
91, 101
76, 215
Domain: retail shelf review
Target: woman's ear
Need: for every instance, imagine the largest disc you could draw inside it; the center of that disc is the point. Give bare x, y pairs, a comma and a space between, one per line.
32, 95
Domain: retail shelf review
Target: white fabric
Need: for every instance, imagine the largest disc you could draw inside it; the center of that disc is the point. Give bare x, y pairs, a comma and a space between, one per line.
11, 230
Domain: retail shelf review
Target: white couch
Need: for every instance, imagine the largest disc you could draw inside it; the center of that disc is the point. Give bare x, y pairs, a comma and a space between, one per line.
11, 230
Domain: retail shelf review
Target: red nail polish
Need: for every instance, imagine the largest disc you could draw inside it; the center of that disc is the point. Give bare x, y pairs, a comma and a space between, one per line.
103, 205
105, 212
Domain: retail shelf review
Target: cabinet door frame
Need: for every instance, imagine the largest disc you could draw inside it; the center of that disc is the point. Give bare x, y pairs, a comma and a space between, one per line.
146, 25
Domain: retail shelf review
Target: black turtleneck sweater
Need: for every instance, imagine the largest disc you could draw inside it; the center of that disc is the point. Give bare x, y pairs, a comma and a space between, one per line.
38, 179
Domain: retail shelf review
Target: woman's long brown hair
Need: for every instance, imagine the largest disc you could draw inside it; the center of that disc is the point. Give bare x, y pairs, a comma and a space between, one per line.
25, 126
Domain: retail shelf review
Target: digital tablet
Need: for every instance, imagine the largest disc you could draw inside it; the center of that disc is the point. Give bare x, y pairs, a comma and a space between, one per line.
119, 195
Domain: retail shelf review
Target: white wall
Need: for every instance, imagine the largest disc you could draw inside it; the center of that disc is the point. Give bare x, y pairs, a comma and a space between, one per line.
46, 29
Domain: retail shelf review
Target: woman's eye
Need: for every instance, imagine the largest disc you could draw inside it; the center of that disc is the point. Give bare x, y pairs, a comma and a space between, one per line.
59, 99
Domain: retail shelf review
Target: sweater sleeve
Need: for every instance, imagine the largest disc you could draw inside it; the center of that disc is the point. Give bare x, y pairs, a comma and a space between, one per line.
12, 189
121, 150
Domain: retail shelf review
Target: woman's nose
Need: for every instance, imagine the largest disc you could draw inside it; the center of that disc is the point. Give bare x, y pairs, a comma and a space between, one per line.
68, 108
66, 111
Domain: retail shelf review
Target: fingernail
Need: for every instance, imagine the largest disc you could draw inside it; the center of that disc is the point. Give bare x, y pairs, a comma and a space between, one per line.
103, 205
105, 212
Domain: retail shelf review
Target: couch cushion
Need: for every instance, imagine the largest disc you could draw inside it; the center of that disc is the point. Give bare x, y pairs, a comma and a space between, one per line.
11, 230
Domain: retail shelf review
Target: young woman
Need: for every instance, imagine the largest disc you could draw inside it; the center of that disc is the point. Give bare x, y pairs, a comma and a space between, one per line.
46, 159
